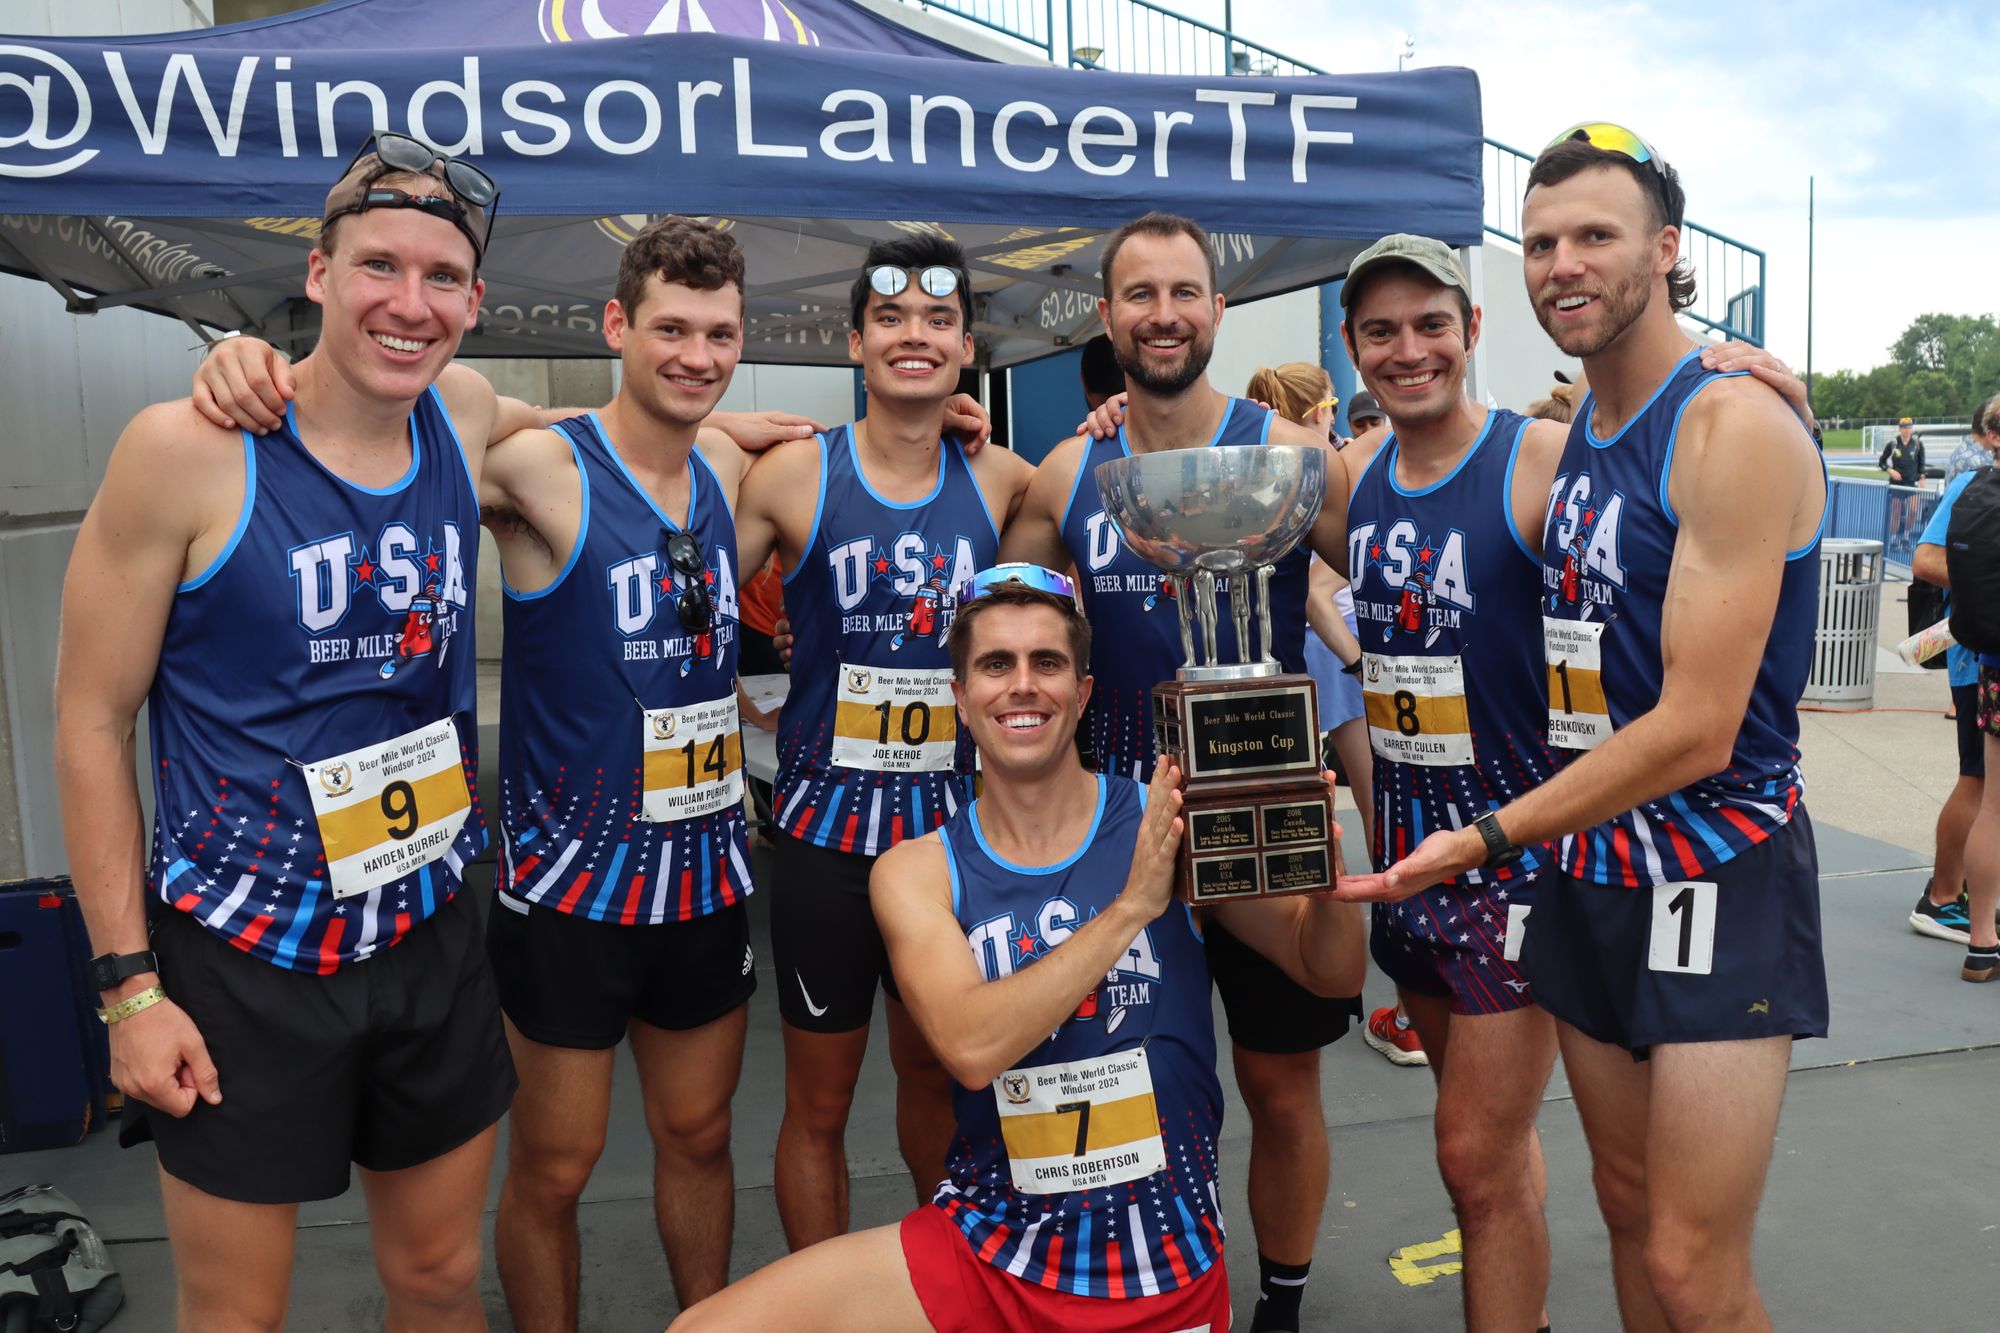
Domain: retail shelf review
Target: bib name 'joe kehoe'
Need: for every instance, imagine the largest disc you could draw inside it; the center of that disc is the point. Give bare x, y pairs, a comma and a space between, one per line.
480, 110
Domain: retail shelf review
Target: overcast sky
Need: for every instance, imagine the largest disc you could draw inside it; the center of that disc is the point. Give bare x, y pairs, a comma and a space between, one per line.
1895, 108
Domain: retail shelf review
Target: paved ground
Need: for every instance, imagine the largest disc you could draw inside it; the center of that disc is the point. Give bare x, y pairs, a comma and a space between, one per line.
1877, 1215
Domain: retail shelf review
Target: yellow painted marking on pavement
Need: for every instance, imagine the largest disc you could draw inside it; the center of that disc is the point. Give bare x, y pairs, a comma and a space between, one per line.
1412, 1269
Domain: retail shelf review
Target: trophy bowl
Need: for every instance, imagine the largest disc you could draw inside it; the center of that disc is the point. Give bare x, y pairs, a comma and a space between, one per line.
1222, 510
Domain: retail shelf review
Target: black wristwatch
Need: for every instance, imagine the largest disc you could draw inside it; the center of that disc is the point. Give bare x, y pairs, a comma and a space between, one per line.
1499, 851
107, 970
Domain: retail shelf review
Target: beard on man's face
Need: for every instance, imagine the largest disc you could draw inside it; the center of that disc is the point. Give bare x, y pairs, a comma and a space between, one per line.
1166, 381
1622, 302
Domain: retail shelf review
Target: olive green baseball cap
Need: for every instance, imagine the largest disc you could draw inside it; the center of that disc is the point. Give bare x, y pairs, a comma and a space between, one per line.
1433, 257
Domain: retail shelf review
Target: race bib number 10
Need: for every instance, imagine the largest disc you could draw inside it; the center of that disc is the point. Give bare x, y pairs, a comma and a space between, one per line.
387, 809
888, 720
694, 760
1579, 719
1081, 1125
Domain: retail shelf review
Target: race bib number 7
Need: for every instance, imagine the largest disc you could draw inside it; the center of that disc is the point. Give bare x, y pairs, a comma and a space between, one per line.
1579, 719
1081, 1125
387, 809
694, 760
889, 720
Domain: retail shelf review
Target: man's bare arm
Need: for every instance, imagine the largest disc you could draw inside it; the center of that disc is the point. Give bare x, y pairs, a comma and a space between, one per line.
1316, 941
1035, 535
775, 505
164, 494
1328, 536
1745, 481
978, 1028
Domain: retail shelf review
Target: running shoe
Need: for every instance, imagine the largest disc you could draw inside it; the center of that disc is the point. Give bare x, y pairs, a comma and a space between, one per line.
1980, 965
1399, 1044
1946, 921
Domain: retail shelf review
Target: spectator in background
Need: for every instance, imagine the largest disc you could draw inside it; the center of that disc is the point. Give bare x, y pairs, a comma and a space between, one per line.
1102, 377
1363, 415
1903, 459
1563, 397
1943, 912
1976, 450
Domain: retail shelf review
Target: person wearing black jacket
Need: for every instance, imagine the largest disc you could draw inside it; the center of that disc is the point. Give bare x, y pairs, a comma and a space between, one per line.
1903, 459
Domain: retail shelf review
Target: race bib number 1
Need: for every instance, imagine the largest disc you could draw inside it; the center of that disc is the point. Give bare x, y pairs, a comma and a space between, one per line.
889, 720
387, 809
1579, 719
1081, 1125
694, 760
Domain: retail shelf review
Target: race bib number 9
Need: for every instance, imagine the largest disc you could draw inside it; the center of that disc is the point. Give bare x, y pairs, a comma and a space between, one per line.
1579, 719
1081, 1125
895, 721
387, 809
694, 760
1416, 709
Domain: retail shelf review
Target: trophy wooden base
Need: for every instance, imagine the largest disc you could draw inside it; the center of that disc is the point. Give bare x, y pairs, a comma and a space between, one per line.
1258, 815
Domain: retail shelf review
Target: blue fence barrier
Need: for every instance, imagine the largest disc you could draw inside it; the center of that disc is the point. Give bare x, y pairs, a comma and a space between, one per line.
1858, 508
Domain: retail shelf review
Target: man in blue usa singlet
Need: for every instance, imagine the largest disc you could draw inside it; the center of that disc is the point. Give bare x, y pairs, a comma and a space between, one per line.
876, 524
1041, 951
1676, 938
1161, 306
297, 610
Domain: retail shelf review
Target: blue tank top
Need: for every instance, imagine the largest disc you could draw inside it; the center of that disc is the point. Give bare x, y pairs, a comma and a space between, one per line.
337, 617
1136, 638
1452, 673
1607, 551
869, 751
586, 659
1140, 1234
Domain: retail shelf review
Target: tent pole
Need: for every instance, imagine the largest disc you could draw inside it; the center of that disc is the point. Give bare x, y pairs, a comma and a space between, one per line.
124, 253
78, 305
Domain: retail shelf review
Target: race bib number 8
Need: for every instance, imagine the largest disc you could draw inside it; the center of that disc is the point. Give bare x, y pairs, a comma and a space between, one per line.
895, 721
387, 809
1081, 1125
1416, 709
1579, 719
694, 760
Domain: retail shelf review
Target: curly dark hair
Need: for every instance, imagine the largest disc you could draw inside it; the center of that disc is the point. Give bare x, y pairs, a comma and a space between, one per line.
683, 251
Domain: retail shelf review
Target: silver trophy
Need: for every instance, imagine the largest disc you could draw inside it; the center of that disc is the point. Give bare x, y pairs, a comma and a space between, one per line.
1245, 734
1202, 515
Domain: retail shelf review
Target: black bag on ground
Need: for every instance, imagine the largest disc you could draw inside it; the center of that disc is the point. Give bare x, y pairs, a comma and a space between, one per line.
56, 1276
1972, 559
1928, 604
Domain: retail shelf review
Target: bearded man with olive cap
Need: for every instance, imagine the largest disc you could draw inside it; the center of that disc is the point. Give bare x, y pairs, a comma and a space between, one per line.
313, 809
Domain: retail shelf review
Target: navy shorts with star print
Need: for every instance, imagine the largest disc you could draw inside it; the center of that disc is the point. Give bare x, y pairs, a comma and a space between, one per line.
388, 1062
1461, 941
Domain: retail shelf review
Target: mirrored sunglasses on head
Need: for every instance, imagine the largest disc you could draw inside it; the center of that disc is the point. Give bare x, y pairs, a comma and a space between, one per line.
1017, 571
1612, 139
694, 604
890, 280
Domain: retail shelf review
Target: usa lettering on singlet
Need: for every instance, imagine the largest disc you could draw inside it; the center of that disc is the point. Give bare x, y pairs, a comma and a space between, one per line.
1607, 549
1452, 668
1136, 640
1090, 1167
621, 755
312, 716
869, 751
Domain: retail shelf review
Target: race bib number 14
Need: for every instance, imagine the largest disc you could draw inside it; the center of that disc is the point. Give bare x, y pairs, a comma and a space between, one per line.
694, 760
387, 809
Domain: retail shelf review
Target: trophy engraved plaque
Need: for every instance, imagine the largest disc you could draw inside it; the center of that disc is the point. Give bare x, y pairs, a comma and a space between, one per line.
1258, 816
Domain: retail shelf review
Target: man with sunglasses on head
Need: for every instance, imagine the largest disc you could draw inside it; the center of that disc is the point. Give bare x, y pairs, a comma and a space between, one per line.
1675, 936
876, 524
1162, 307
312, 994
1042, 953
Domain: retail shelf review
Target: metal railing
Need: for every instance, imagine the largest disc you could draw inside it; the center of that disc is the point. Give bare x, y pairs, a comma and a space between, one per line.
1138, 37
1729, 275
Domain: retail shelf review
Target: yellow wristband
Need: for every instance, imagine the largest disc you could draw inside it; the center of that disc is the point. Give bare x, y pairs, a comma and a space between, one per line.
131, 1005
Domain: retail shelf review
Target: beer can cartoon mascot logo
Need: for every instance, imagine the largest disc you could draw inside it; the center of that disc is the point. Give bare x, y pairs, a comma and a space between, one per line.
419, 633
1163, 591
923, 614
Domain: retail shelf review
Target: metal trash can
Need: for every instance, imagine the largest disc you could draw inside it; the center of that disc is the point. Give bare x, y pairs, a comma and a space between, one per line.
1850, 606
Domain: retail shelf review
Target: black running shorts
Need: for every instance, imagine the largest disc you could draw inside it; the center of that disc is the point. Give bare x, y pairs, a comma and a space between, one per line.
828, 952
566, 980
1735, 957
1268, 1012
387, 1063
